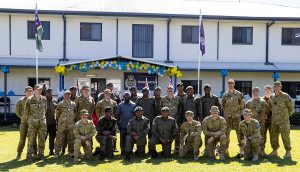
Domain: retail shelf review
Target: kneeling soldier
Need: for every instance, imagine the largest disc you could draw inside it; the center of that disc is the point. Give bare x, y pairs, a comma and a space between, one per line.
214, 127
66, 115
106, 135
250, 131
137, 129
190, 137
84, 130
164, 131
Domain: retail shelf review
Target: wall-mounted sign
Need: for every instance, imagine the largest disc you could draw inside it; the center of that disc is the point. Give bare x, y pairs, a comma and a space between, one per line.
139, 80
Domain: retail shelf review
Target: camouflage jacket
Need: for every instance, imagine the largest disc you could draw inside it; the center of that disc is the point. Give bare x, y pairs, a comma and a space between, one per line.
20, 107
35, 110
282, 108
250, 130
210, 125
258, 108
232, 104
102, 104
87, 130
87, 103
65, 114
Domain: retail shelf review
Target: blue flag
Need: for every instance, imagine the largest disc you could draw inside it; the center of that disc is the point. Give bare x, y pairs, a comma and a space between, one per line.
202, 38
38, 32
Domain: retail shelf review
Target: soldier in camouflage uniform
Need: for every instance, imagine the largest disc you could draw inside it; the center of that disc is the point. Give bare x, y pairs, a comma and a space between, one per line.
250, 134
268, 92
192, 103
174, 103
102, 104
35, 112
190, 137
65, 114
214, 127
106, 135
113, 96
282, 108
137, 130
233, 105
208, 100
164, 131
84, 130
20, 106
85, 101
258, 107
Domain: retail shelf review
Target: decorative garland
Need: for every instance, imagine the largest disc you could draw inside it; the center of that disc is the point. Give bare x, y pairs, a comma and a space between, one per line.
123, 66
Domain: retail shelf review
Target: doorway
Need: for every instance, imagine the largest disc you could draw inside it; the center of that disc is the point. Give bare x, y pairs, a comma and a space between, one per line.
98, 85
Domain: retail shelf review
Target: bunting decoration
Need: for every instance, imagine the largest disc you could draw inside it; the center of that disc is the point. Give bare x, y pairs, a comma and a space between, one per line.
120, 65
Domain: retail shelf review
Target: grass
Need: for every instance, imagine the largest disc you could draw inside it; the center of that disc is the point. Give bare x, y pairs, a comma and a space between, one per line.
9, 140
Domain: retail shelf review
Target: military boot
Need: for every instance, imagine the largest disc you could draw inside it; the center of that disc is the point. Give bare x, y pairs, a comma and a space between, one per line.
222, 157
287, 155
274, 153
127, 156
18, 156
101, 155
255, 157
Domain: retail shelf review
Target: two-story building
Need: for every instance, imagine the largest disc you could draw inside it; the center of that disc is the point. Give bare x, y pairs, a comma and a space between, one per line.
250, 42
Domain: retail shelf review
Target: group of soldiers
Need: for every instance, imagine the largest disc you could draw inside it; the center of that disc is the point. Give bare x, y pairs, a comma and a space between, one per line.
179, 117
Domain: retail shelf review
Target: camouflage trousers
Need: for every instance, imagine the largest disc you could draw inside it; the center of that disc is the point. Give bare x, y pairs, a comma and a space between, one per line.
87, 148
233, 124
262, 133
106, 145
267, 127
61, 136
210, 148
36, 131
140, 146
252, 147
284, 130
23, 136
191, 147
165, 147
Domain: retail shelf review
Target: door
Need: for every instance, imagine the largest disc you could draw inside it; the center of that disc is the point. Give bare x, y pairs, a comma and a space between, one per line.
98, 85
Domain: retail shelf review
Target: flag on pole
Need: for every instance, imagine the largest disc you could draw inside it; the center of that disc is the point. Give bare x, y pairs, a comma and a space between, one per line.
38, 31
202, 36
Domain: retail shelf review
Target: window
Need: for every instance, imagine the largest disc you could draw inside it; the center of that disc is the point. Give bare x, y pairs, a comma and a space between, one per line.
142, 41
45, 82
31, 30
290, 36
292, 88
242, 35
190, 34
194, 84
90, 31
244, 87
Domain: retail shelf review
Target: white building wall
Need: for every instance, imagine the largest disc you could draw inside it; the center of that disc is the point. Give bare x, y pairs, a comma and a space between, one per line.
229, 52
23, 47
282, 53
160, 37
189, 52
4, 35
77, 49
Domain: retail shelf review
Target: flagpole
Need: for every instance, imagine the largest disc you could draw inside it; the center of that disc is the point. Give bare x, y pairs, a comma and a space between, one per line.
199, 58
37, 66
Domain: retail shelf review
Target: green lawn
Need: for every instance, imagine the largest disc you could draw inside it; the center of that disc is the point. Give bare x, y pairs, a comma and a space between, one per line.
9, 140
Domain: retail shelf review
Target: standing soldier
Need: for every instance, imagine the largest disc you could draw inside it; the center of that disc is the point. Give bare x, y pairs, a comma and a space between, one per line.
250, 133
125, 111
174, 105
148, 104
192, 103
209, 100
258, 108
214, 127
164, 131
35, 112
282, 108
24, 122
107, 101
84, 130
114, 96
190, 137
268, 117
158, 103
233, 105
180, 91
133, 95
137, 130
85, 101
50, 118
106, 135
65, 115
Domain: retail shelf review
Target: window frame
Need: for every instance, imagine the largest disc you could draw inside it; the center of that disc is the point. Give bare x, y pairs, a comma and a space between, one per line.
242, 27
133, 41
86, 39
287, 44
192, 26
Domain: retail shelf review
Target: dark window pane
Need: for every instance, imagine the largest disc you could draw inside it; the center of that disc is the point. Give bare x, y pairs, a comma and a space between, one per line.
31, 30
142, 41
292, 88
290, 36
244, 87
90, 31
242, 35
194, 84
190, 34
